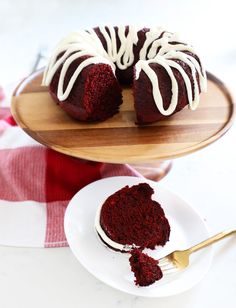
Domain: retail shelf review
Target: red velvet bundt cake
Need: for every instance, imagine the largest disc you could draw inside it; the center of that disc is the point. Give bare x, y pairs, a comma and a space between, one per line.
145, 268
131, 219
87, 67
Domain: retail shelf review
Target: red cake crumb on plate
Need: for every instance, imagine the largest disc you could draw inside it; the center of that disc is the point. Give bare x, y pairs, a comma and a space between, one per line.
145, 268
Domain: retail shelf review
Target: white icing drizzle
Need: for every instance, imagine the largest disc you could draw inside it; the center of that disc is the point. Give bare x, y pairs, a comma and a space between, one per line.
106, 239
160, 47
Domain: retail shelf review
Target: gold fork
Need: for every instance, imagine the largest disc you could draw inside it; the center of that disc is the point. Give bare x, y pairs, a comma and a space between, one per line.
179, 259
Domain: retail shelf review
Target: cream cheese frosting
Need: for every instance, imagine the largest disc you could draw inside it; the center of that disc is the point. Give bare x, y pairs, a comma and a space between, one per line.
160, 47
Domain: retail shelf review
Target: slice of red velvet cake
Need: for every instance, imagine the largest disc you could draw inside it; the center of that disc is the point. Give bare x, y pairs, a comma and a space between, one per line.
145, 268
131, 219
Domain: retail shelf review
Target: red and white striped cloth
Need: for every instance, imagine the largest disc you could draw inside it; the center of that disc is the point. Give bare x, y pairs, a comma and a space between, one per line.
36, 184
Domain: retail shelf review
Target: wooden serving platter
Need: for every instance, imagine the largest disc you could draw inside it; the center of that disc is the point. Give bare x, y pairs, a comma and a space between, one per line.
118, 139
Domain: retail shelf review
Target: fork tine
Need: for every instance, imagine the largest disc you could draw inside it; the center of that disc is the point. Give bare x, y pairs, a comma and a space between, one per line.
170, 270
163, 260
167, 266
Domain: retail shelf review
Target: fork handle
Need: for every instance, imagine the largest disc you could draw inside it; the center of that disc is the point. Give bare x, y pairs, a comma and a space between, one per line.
212, 240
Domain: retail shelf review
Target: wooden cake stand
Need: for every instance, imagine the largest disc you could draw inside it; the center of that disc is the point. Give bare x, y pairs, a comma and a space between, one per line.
118, 139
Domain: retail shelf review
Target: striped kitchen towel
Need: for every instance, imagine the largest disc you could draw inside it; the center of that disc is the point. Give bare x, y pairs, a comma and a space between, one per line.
36, 184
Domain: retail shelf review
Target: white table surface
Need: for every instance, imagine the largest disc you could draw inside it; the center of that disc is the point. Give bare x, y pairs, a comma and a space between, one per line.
206, 179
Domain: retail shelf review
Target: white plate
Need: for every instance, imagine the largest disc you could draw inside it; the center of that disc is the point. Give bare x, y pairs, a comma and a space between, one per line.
187, 228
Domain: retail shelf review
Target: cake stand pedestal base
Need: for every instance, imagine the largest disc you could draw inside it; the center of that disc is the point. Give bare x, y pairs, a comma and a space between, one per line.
153, 171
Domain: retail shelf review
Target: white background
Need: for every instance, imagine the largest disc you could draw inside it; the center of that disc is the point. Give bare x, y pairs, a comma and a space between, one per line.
29, 25
206, 179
